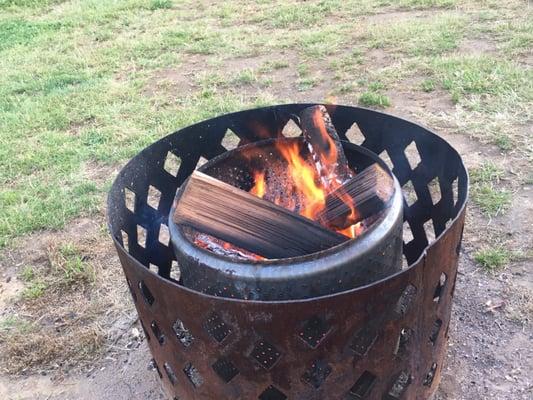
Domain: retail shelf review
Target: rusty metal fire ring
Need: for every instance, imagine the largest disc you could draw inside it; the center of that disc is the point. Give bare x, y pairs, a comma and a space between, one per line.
386, 340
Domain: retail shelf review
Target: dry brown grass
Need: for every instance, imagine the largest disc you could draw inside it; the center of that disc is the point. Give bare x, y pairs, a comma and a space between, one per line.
67, 323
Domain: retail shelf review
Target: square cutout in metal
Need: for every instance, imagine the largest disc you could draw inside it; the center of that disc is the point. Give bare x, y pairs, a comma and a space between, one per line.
271, 393
291, 129
141, 236
164, 235
172, 164
317, 374
405, 300
129, 199
157, 332
230, 140
314, 331
182, 333
399, 386
154, 197
439, 289
412, 155
362, 386
265, 354
170, 373
216, 327
428, 380
435, 331
193, 375
147, 294
403, 339
225, 369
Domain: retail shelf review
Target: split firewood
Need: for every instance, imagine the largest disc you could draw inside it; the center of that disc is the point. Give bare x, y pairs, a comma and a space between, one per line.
325, 146
256, 225
363, 196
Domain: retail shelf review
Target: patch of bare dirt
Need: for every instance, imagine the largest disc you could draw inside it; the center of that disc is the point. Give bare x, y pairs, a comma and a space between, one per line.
477, 46
394, 16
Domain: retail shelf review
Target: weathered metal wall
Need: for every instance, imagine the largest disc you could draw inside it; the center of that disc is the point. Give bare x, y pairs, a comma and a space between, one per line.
382, 341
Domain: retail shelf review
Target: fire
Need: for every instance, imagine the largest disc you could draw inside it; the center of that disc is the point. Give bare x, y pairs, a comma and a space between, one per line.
312, 196
259, 187
309, 183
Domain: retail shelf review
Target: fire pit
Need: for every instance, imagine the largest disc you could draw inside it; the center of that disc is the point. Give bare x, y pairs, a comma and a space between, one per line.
373, 255
385, 340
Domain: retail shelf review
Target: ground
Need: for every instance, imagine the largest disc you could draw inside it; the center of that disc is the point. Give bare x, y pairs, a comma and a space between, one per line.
84, 85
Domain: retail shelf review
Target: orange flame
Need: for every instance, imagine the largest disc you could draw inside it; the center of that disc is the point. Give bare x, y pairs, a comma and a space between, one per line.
309, 184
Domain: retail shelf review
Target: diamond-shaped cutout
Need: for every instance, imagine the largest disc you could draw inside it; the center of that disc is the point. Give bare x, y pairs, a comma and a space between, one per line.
405, 300
157, 332
147, 294
434, 190
172, 164
399, 386
182, 333
164, 235
291, 129
314, 331
154, 268
409, 193
175, 272
429, 228
364, 339
129, 199
440, 287
407, 233
317, 373
403, 340
412, 154
225, 369
362, 387
385, 157
271, 393
201, 161
154, 197
170, 373
216, 327
265, 354
405, 263
193, 375
141, 236
435, 330
125, 241
455, 190
428, 380
230, 140
355, 135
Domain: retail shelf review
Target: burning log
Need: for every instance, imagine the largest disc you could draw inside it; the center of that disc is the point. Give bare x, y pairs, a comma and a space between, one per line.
369, 192
238, 217
325, 146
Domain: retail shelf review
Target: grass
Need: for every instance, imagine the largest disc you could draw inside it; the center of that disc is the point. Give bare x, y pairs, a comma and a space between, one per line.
429, 37
374, 99
161, 4
493, 258
485, 191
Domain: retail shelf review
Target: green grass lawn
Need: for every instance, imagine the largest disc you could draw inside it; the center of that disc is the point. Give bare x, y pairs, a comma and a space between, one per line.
79, 80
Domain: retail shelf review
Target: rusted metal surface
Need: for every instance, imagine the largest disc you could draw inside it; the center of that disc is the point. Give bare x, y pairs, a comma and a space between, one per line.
382, 341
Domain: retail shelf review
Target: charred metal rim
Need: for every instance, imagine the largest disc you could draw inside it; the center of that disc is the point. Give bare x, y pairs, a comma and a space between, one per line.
357, 246
146, 154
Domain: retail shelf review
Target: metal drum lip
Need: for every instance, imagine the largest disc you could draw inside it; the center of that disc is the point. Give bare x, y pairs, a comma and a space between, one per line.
275, 270
144, 270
